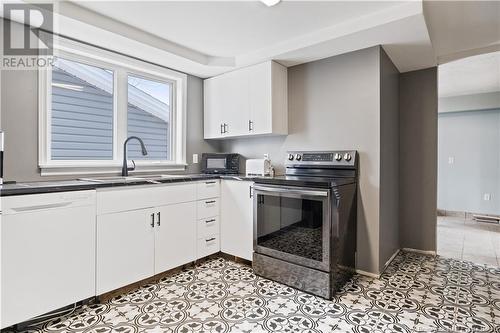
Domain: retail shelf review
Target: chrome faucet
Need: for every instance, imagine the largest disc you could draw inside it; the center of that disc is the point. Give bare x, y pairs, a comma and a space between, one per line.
125, 168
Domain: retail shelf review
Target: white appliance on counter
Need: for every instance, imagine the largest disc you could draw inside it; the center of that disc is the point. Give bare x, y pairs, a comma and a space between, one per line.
47, 253
258, 167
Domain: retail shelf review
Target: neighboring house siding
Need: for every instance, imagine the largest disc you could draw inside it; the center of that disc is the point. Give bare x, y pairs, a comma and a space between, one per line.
82, 121
152, 130
82, 124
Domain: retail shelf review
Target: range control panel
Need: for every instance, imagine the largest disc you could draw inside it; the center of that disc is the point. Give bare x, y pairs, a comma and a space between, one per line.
346, 158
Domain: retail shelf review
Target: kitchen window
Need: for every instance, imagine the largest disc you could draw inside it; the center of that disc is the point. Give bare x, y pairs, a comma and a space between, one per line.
149, 117
91, 100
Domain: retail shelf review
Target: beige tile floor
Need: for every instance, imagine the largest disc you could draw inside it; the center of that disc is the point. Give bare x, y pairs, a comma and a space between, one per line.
468, 240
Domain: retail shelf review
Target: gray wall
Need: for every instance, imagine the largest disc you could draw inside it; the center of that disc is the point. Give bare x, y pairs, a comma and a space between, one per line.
389, 159
194, 140
334, 103
472, 139
19, 120
418, 159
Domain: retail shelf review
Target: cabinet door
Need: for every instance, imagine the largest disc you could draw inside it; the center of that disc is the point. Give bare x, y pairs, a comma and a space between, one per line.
175, 236
214, 104
237, 218
125, 248
47, 261
236, 111
260, 90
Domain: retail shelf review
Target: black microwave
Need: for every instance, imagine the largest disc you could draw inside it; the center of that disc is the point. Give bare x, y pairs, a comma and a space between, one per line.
223, 163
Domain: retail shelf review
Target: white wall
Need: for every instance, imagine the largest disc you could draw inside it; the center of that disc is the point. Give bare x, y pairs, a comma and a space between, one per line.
482, 101
472, 139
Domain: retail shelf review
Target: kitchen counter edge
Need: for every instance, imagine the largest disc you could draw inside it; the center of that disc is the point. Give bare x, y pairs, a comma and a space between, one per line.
82, 185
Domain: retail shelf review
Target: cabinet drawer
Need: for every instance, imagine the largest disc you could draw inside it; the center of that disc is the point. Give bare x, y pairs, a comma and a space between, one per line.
139, 197
208, 226
208, 189
208, 245
208, 208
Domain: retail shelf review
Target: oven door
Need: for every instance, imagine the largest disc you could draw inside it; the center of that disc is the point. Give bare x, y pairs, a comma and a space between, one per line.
293, 224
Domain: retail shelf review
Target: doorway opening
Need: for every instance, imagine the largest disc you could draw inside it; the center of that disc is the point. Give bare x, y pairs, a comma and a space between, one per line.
469, 159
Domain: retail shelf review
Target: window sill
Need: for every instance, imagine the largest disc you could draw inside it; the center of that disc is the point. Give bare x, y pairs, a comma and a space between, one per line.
58, 170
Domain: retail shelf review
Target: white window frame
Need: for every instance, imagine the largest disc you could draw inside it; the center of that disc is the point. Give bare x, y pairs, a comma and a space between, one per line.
122, 66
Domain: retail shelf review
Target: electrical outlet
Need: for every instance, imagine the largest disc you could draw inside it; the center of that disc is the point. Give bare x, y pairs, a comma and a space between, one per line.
487, 197
195, 158
451, 160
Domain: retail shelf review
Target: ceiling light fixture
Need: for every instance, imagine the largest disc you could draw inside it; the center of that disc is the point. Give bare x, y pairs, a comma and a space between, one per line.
270, 3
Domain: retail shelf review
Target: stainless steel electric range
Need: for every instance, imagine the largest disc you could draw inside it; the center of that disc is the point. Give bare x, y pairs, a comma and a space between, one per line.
305, 222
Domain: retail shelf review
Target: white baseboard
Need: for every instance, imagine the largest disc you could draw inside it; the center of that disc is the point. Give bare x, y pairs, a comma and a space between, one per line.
377, 276
433, 253
394, 255
388, 262
372, 275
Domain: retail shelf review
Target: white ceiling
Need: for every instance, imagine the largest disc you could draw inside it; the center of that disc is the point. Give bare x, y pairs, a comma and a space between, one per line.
463, 28
214, 37
232, 28
472, 75
207, 38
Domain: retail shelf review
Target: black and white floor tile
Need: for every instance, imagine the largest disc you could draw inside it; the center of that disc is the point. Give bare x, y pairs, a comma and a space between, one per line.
417, 293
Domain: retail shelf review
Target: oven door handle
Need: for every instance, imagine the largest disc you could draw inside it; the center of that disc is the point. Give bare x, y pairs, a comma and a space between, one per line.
290, 190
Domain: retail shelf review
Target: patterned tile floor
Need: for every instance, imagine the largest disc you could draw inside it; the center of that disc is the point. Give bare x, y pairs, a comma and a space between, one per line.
417, 293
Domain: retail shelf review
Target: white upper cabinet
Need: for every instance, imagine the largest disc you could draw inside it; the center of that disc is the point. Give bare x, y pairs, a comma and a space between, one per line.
245, 102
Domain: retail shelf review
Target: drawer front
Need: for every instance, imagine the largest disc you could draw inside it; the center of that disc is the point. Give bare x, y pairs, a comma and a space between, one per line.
139, 197
208, 226
208, 245
208, 208
208, 189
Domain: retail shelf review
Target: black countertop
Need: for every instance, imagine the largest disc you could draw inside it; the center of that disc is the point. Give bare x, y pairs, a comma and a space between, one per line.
81, 185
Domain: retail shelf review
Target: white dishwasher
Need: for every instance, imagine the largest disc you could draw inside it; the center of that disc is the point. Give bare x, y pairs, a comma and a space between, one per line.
47, 253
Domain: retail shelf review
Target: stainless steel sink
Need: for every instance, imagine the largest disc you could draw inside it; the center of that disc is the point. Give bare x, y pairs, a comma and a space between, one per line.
113, 179
129, 179
172, 176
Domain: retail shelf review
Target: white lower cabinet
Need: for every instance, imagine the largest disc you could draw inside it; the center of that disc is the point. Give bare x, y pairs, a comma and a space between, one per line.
208, 226
47, 253
236, 218
175, 236
125, 248
208, 208
136, 244
208, 245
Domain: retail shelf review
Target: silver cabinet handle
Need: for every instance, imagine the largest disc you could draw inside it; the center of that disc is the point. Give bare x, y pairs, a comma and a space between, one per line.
210, 202
158, 222
226, 126
210, 183
210, 221
221, 129
250, 125
210, 239
152, 220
